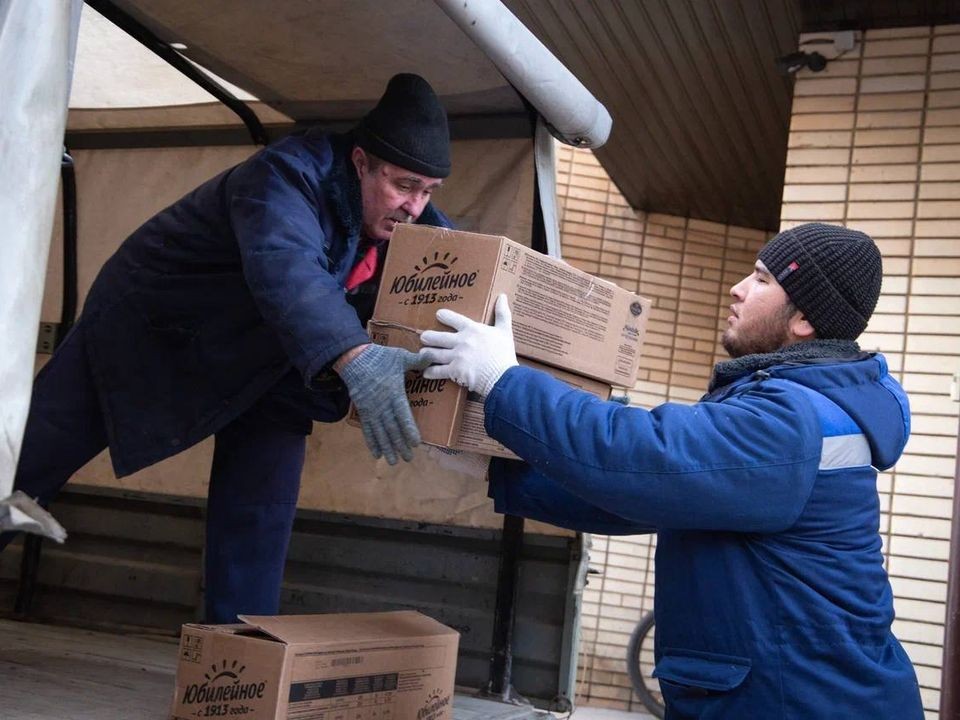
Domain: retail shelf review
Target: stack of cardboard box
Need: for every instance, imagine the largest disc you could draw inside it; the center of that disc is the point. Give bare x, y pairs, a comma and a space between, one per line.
583, 330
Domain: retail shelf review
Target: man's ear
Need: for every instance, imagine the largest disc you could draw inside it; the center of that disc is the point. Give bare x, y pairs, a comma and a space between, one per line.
359, 159
800, 327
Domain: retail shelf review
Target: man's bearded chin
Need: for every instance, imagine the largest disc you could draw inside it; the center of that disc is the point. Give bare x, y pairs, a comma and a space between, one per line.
768, 338
730, 345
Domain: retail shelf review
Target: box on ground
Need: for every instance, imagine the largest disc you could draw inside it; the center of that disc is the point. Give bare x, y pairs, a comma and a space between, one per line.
387, 666
446, 414
562, 316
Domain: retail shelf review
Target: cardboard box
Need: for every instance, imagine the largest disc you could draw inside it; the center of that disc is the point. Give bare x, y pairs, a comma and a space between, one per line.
472, 435
374, 666
562, 316
446, 414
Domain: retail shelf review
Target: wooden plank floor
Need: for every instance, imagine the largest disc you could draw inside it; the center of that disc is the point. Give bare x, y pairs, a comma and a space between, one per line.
58, 673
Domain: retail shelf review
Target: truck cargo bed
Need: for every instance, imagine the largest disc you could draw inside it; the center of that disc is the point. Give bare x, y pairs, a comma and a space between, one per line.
49, 671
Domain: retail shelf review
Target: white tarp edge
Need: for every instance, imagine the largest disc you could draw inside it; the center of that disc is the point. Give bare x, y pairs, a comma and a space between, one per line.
38, 41
571, 111
545, 156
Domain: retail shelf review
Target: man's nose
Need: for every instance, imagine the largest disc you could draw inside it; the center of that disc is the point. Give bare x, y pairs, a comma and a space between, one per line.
737, 290
415, 205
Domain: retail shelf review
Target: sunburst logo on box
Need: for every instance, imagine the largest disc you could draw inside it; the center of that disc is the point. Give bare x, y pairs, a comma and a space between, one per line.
433, 273
223, 684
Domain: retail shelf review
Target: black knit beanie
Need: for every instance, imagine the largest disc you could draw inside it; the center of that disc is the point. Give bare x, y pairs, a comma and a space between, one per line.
832, 274
408, 127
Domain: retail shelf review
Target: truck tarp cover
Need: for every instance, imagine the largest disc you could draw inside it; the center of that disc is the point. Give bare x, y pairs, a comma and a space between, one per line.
306, 61
37, 46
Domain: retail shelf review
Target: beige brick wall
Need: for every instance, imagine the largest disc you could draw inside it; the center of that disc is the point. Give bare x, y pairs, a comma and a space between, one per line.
874, 144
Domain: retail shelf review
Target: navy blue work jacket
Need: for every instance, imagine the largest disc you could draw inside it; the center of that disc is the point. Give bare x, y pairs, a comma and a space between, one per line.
772, 600
212, 301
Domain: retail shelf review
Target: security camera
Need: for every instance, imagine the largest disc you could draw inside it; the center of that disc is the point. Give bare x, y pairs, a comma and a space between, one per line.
789, 64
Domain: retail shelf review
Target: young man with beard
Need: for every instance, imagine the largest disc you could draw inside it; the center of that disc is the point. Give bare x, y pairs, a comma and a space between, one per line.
771, 596
239, 312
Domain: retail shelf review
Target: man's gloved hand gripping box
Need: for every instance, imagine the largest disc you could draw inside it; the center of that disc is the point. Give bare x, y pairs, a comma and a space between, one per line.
390, 665
446, 413
562, 316
583, 330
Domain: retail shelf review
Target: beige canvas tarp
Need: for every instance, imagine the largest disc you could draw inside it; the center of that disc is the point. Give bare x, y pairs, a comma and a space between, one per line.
269, 56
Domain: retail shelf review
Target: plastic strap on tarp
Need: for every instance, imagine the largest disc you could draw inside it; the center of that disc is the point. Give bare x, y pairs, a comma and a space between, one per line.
572, 113
545, 156
38, 43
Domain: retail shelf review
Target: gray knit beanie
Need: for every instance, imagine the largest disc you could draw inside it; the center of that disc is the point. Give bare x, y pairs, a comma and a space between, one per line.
408, 127
831, 273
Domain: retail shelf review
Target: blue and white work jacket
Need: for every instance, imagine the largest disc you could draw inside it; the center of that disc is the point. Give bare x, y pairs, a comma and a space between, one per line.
771, 596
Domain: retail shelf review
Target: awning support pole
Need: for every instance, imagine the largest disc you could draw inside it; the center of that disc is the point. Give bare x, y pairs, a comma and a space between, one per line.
149, 40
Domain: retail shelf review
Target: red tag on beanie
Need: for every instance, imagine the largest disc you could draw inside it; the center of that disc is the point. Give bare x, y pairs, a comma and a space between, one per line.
794, 265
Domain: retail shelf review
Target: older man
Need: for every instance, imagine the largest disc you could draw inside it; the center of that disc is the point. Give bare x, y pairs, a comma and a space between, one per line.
239, 311
771, 596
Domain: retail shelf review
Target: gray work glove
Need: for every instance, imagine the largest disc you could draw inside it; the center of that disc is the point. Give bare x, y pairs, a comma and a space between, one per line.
375, 381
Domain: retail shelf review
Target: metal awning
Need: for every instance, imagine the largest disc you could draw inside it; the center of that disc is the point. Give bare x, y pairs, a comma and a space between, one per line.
700, 112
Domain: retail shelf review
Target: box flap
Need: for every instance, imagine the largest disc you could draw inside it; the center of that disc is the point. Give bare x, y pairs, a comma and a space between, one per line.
347, 627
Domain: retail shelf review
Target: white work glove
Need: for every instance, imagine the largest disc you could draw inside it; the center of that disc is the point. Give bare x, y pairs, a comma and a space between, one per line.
476, 355
471, 464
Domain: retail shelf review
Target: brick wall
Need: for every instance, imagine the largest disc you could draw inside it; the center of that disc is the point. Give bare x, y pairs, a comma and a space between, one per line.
874, 144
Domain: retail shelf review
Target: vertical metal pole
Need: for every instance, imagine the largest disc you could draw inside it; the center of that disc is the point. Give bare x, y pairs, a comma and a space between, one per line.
511, 542
29, 569
68, 189
508, 582
950, 684
33, 544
